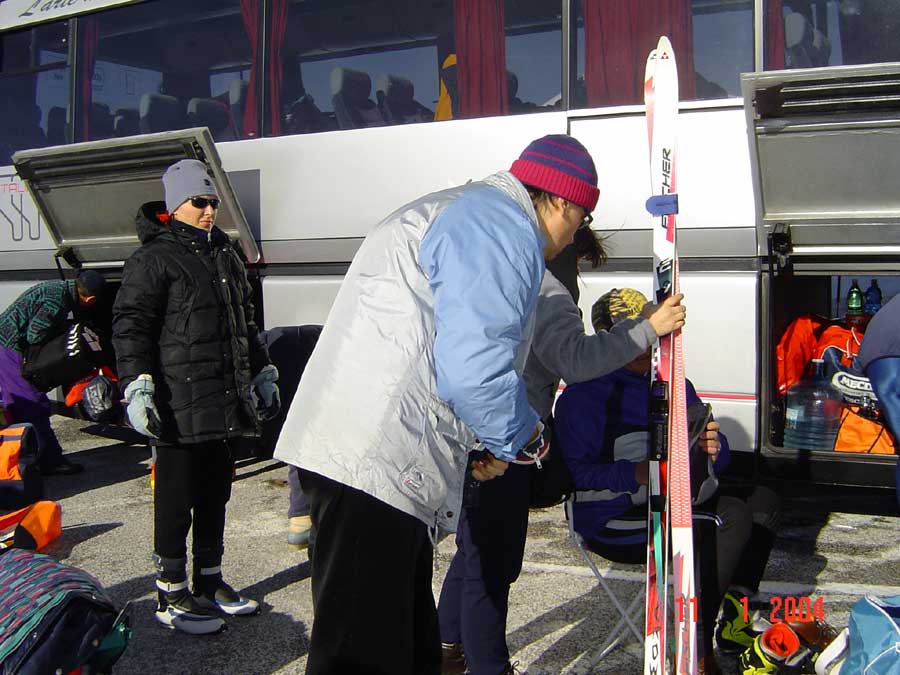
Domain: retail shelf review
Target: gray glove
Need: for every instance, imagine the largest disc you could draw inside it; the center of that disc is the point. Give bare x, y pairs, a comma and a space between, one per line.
265, 394
142, 412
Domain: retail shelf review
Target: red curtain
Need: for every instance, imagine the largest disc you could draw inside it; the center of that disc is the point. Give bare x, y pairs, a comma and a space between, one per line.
276, 42
774, 36
619, 35
479, 27
90, 38
250, 13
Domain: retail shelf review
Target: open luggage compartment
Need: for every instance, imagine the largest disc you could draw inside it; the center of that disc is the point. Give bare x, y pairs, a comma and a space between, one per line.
825, 157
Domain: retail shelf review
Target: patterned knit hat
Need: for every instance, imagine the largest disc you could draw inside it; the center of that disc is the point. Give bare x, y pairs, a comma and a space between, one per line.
617, 305
562, 166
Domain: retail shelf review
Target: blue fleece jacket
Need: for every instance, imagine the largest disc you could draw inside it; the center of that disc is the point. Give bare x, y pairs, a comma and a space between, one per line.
601, 429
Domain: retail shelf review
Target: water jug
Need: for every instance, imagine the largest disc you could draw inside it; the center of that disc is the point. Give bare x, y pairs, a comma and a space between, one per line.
813, 412
872, 298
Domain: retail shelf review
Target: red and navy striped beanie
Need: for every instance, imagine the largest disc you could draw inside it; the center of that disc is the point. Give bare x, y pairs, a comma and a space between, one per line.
562, 166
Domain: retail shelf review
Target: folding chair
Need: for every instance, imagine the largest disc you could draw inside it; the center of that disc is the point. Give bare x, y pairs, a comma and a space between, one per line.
632, 616
629, 617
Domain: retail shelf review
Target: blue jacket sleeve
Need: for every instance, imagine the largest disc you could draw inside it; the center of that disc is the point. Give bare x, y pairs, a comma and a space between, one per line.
484, 261
579, 433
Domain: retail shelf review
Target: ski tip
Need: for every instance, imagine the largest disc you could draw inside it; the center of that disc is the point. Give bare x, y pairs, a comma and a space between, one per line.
651, 65
664, 49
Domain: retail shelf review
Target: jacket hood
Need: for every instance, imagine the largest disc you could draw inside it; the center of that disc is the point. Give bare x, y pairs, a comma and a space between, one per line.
147, 221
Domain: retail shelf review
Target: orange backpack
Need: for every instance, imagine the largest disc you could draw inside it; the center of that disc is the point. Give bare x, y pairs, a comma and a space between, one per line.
863, 433
26, 520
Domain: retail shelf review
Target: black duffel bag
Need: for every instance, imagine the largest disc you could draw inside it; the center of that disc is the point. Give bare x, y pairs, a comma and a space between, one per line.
64, 359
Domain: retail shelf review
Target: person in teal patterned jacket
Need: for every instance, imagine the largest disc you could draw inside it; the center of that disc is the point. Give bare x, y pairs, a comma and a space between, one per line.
36, 316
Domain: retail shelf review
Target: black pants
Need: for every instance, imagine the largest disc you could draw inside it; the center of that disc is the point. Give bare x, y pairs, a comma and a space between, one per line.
193, 484
371, 585
490, 546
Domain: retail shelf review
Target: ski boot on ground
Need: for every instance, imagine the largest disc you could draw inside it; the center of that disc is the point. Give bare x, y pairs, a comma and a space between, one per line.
777, 651
298, 532
736, 628
804, 648
176, 608
453, 660
211, 592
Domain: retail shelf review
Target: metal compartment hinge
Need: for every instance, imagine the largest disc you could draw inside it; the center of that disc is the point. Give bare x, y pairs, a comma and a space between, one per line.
778, 243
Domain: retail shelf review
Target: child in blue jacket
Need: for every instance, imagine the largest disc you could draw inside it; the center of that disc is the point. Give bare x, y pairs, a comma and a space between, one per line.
602, 433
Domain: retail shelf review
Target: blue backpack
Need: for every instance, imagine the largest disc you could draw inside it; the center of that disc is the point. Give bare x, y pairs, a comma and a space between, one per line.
874, 637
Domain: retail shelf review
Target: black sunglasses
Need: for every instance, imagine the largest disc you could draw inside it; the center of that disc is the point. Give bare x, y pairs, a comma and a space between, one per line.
203, 202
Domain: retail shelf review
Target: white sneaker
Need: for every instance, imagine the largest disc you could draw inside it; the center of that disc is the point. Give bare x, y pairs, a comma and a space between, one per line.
177, 609
225, 599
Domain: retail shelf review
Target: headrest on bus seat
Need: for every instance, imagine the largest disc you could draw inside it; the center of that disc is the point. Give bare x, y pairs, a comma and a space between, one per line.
353, 109
213, 114
354, 85
160, 112
395, 96
126, 122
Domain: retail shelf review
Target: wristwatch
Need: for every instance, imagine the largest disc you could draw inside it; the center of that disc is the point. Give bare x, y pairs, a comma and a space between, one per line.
536, 449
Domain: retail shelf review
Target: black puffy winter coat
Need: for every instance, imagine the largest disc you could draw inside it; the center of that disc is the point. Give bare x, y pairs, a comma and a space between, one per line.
184, 314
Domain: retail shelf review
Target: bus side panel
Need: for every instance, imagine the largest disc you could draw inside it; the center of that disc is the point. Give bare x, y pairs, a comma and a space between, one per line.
298, 300
342, 183
713, 169
719, 341
25, 243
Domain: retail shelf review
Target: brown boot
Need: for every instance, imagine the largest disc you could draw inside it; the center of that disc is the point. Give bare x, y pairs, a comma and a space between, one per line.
453, 660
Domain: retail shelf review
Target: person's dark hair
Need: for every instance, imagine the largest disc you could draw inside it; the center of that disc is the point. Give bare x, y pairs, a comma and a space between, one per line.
589, 246
90, 282
537, 195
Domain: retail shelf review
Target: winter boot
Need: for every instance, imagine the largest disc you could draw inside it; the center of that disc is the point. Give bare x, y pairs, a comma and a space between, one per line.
298, 532
176, 607
777, 651
211, 591
453, 660
737, 628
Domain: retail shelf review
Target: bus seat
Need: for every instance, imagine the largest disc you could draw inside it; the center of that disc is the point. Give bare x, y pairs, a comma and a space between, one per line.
56, 125
101, 121
396, 101
159, 112
126, 122
352, 106
213, 114
805, 46
237, 95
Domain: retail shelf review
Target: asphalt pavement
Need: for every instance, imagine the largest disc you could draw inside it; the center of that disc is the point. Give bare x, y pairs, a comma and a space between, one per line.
558, 614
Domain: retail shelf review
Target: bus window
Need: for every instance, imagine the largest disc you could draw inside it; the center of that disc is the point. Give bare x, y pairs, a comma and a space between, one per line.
34, 88
816, 33
387, 62
533, 56
166, 65
713, 42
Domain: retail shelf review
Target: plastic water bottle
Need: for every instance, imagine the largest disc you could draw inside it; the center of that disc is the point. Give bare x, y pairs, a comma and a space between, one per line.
813, 412
854, 299
872, 298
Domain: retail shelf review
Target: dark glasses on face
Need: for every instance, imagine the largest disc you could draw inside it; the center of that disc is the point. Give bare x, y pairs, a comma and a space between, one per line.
203, 202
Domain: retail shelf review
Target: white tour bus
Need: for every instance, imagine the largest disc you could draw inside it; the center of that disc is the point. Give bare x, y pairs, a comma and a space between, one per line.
319, 117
